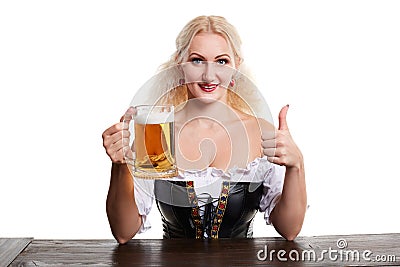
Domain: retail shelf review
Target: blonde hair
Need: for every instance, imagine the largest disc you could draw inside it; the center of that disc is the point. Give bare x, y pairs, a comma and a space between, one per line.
243, 91
214, 24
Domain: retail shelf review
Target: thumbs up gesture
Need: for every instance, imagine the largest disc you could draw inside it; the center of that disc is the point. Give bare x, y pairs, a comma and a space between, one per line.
279, 146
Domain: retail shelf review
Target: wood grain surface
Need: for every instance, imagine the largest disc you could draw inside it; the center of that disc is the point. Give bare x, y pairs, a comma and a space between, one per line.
10, 248
316, 251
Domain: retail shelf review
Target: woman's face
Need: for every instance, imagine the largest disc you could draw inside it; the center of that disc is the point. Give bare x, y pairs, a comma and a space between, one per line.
209, 68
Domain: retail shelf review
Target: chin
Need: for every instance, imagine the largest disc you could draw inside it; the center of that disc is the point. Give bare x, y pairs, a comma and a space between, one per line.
207, 99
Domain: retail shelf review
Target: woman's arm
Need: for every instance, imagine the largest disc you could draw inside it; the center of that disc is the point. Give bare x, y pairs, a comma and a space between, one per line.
122, 211
288, 214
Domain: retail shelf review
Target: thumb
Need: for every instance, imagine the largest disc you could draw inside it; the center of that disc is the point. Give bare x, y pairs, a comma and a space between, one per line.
282, 118
128, 116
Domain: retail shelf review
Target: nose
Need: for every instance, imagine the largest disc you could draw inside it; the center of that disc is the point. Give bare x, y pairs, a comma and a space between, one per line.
209, 72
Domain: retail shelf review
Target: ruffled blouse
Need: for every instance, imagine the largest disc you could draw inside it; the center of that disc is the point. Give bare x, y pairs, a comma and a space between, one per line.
209, 180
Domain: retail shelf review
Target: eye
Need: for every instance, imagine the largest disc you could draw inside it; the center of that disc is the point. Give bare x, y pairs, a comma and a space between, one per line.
222, 61
196, 60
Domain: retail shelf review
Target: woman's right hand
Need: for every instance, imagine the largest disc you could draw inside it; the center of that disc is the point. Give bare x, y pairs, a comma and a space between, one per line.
116, 139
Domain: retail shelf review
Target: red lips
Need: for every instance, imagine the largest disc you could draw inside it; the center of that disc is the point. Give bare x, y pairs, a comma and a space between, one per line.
208, 87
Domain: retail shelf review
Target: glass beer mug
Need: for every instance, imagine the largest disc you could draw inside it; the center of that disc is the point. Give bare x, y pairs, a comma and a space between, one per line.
154, 142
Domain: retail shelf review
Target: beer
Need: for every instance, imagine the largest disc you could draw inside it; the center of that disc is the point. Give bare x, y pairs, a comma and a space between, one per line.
154, 142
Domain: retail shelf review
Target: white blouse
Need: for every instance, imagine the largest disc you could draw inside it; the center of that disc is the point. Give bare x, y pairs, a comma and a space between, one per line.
209, 180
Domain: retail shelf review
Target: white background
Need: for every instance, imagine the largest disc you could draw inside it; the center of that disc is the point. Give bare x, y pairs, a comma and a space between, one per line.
69, 69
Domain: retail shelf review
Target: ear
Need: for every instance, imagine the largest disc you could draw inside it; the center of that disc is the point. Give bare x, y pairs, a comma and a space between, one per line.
180, 74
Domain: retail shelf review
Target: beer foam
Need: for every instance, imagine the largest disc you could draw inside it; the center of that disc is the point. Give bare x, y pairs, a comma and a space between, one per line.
155, 118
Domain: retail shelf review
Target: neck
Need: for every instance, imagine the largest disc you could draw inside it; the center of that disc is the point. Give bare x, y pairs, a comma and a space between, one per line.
206, 111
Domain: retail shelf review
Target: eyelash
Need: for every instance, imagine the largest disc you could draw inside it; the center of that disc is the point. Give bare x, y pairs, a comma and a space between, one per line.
197, 60
225, 61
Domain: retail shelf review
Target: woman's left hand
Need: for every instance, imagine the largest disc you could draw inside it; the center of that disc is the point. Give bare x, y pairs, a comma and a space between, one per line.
279, 146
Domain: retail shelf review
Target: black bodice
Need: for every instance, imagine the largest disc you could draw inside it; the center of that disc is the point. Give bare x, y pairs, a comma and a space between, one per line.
178, 212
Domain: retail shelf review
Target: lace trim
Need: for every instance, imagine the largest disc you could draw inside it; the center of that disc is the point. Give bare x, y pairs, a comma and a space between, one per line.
255, 171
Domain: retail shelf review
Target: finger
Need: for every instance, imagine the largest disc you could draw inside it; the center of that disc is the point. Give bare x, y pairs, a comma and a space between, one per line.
114, 142
275, 160
109, 131
267, 135
109, 140
115, 150
128, 116
269, 152
111, 149
271, 143
118, 127
282, 118
120, 143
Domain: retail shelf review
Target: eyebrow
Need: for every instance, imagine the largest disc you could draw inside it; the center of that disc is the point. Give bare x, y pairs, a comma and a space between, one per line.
197, 54
223, 55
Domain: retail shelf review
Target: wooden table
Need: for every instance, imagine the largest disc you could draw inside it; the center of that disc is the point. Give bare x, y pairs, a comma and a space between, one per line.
356, 250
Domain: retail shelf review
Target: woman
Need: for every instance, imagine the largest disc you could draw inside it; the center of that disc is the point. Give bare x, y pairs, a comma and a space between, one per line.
208, 53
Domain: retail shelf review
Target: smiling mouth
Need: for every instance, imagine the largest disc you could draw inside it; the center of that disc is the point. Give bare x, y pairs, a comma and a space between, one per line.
208, 87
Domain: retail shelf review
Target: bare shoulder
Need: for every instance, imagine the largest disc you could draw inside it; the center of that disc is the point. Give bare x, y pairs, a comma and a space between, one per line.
255, 122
